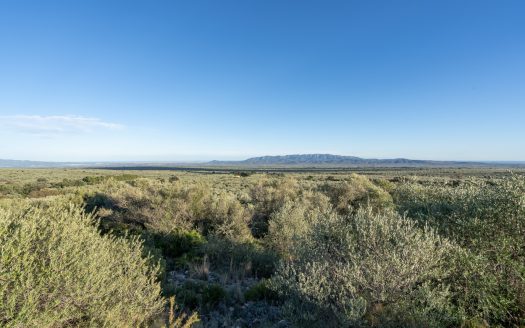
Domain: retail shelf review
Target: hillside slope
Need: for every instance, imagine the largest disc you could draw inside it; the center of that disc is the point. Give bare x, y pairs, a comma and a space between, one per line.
338, 160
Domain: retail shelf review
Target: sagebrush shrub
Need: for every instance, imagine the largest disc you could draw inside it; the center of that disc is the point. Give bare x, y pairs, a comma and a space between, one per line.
366, 269
452, 256
357, 192
487, 218
268, 196
290, 223
56, 270
168, 207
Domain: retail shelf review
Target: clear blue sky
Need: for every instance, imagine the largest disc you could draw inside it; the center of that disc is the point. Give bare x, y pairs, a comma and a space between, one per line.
190, 80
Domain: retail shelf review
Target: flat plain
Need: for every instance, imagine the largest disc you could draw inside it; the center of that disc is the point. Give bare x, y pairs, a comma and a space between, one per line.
263, 247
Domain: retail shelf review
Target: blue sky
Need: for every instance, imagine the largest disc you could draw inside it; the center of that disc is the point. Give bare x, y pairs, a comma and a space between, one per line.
197, 80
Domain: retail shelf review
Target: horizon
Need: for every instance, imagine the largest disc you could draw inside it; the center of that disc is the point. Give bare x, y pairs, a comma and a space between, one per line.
205, 161
130, 81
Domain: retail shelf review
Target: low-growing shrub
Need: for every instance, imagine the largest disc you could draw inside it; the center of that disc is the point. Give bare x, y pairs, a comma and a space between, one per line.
178, 318
56, 270
392, 250
44, 192
91, 180
261, 291
268, 196
189, 295
357, 192
366, 269
177, 243
240, 259
195, 294
213, 294
486, 218
290, 223
165, 208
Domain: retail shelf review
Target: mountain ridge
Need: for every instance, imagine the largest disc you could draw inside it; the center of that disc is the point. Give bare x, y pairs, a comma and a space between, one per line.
327, 159
293, 160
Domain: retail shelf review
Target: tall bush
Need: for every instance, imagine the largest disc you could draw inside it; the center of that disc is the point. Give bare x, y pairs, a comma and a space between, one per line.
366, 269
487, 218
56, 271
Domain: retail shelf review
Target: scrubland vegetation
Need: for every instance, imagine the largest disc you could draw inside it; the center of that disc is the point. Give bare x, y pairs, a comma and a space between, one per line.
174, 249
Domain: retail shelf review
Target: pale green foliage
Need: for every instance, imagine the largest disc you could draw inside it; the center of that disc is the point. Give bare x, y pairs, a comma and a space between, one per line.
226, 217
472, 213
294, 220
179, 319
56, 270
169, 207
453, 254
268, 197
487, 218
286, 226
366, 268
357, 192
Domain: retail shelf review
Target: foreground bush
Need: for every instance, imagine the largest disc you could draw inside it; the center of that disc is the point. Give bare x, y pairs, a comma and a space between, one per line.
56, 271
486, 218
366, 269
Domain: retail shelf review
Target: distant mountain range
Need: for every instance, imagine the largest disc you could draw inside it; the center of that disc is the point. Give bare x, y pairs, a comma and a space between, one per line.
338, 160
304, 160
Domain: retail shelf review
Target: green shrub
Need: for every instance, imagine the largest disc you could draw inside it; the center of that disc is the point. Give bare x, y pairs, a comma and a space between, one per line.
261, 291
44, 192
357, 192
68, 183
487, 218
56, 270
166, 207
223, 215
178, 318
366, 269
243, 174
213, 294
240, 258
268, 196
190, 294
177, 243
91, 180
384, 184
94, 179
194, 294
290, 223
454, 255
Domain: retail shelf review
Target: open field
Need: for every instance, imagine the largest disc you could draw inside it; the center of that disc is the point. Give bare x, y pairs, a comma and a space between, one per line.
17, 175
236, 247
